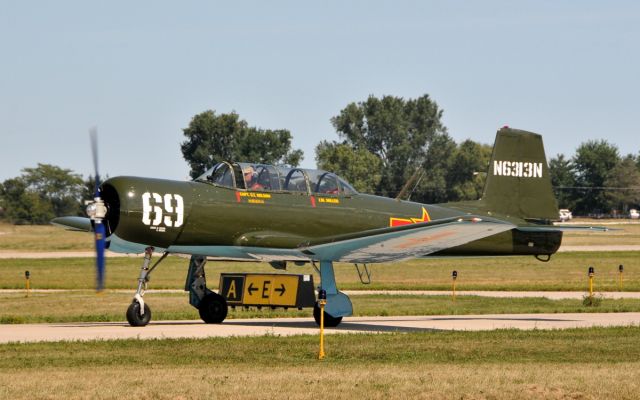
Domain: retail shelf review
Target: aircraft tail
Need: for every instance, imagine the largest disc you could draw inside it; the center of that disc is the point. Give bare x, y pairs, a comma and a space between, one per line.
518, 182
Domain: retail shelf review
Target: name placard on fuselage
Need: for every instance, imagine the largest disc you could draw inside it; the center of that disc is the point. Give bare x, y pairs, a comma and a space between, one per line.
269, 290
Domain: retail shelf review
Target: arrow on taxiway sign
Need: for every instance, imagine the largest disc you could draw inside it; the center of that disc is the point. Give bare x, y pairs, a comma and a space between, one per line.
251, 289
281, 289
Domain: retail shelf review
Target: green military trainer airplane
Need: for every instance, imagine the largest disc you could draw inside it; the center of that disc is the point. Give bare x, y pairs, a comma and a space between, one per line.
257, 212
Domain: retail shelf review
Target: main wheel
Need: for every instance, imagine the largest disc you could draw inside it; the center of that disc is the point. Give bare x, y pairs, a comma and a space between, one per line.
134, 317
329, 321
213, 308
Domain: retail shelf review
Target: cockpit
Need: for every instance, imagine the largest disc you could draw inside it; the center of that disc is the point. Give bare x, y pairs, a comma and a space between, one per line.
263, 177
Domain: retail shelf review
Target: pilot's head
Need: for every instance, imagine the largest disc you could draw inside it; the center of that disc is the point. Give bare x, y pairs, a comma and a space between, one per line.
248, 173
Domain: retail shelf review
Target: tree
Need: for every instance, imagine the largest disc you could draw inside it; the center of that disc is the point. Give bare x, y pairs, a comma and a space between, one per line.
41, 194
396, 131
214, 138
624, 184
469, 164
59, 187
594, 160
433, 187
563, 180
22, 206
359, 167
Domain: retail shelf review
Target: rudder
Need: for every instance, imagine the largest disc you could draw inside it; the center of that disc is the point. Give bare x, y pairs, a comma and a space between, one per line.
518, 182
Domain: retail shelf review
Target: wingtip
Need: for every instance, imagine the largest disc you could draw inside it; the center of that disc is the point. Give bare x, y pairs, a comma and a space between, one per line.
73, 223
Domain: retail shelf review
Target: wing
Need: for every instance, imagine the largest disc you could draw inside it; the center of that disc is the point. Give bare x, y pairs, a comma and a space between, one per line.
74, 223
409, 241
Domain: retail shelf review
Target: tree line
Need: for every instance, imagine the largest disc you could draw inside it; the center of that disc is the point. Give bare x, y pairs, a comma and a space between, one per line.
597, 180
384, 146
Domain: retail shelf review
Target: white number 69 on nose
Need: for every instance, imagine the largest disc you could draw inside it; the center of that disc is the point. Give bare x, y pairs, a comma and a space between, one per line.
171, 204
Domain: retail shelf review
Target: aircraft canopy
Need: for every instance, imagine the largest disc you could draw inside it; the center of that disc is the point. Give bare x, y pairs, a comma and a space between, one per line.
263, 177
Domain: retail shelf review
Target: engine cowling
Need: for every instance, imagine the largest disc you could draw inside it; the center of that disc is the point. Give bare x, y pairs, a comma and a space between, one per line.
148, 211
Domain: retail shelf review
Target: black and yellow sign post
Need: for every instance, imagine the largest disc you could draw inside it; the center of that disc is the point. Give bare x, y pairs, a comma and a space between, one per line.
454, 277
268, 290
27, 277
591, 274
621, 270
322, 301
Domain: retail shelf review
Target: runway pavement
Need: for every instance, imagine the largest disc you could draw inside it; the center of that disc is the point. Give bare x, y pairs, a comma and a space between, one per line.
297, 326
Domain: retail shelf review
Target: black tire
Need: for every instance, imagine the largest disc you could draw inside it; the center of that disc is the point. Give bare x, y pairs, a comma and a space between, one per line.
213, 308
329, 321
134, 317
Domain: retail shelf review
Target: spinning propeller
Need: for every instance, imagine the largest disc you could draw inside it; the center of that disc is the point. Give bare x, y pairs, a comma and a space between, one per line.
97, 211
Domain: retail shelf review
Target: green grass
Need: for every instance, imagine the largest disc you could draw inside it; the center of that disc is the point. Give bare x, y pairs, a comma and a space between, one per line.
571, 364
498, 346
565, 271
42, 238
568, 364
89, 307
624, 234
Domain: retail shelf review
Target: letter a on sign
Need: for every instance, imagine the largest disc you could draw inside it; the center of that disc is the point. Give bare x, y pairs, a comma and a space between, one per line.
231, 293
231, 287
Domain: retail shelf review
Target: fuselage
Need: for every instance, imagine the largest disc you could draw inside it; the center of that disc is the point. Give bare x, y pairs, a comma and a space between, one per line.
190, 215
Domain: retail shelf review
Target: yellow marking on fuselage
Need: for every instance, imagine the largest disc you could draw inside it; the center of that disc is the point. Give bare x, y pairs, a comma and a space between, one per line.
330, 200
255, 195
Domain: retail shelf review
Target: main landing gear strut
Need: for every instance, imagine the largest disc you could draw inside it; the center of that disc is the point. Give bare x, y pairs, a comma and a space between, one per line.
338, 303
211, 306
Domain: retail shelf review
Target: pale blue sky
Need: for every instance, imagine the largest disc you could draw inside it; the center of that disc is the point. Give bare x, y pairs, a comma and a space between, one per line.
140, 70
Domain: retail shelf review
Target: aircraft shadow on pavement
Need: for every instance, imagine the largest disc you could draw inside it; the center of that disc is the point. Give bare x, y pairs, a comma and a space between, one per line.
362, 325
346, 325
388, 325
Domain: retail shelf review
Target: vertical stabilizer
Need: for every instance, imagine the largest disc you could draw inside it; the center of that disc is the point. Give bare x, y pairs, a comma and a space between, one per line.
518, 182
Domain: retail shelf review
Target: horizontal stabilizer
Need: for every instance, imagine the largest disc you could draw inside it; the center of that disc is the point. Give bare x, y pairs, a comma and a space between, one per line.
564, 228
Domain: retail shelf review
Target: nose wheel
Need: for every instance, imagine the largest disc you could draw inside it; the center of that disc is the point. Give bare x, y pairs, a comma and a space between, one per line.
139, 313
137, 318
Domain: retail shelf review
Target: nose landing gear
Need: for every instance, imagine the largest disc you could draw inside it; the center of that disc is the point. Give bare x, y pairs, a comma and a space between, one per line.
139, 313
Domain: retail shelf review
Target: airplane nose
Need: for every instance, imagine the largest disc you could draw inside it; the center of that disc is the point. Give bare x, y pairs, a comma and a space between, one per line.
146, 210
111, 198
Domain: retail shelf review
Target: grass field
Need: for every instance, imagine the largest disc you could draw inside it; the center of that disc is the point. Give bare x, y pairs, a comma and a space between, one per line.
627, 233
89, 307
42, 238
593, 363
565, 271
589, 363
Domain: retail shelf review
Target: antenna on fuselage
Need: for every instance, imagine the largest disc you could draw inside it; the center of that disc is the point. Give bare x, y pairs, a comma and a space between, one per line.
417, 176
